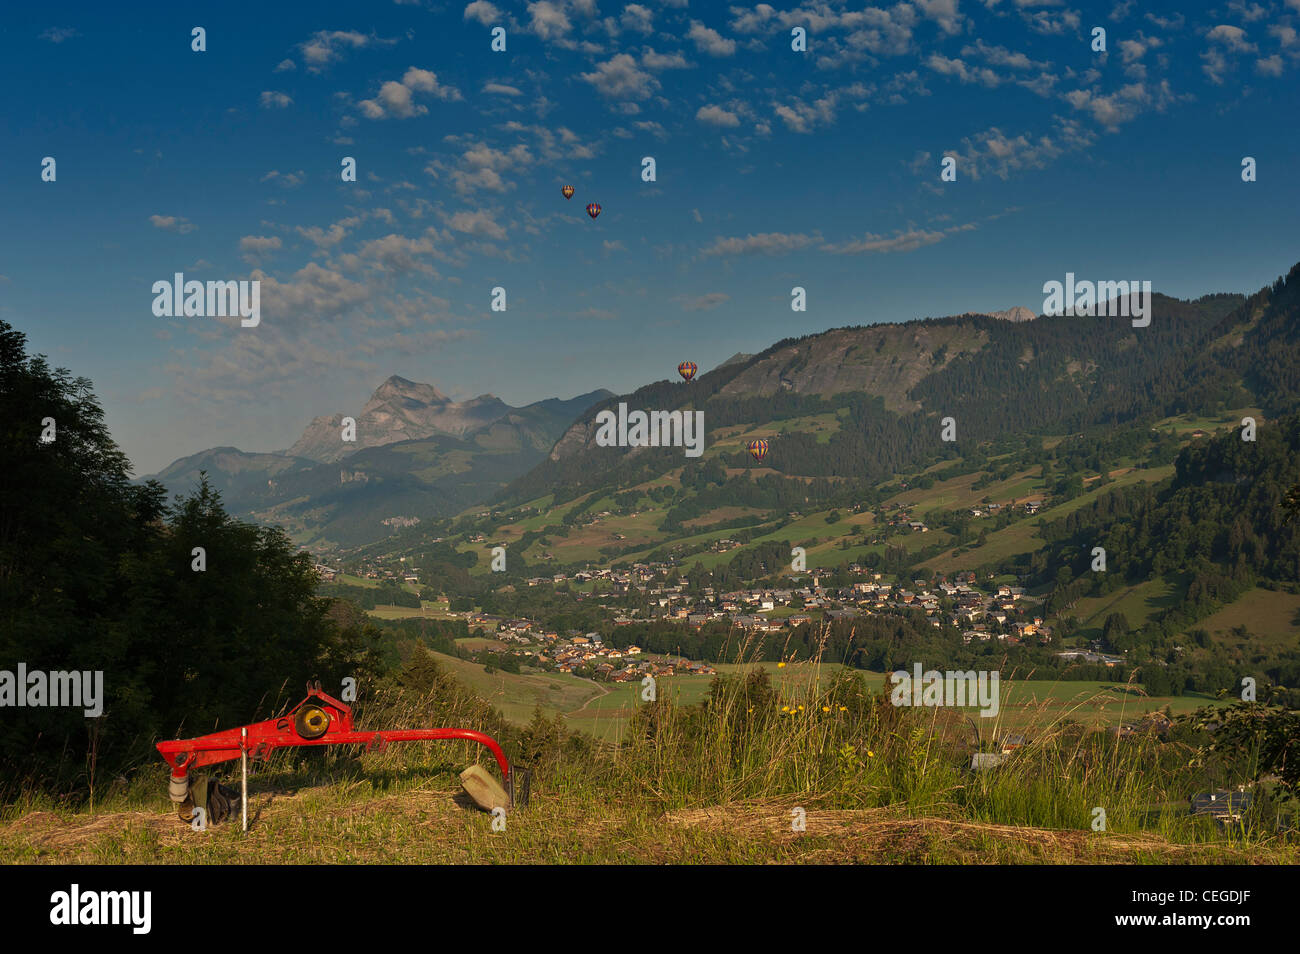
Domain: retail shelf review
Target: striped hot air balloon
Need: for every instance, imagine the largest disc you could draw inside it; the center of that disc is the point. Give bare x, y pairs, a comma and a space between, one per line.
593, 209
758, 449
568, 192
687, 370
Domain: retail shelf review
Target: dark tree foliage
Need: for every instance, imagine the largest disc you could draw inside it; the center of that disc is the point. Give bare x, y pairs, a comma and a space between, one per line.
95, 574
368, 597
1218, 527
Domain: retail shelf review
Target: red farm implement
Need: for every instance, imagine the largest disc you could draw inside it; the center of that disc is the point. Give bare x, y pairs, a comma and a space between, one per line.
320, 719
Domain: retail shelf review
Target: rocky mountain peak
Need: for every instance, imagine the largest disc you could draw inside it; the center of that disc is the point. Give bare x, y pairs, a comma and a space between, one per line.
1017, 313
399, 410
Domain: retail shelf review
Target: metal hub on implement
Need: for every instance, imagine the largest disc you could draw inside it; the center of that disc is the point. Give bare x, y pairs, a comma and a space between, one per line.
320, 719
311, 722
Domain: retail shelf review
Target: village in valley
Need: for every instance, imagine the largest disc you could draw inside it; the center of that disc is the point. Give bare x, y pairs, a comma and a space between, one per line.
988, 611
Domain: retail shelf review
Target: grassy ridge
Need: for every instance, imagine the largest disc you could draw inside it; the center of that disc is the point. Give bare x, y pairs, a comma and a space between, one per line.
706, 783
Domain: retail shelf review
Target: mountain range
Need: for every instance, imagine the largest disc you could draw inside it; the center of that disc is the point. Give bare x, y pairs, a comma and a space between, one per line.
867, 401
416, 454
845, 408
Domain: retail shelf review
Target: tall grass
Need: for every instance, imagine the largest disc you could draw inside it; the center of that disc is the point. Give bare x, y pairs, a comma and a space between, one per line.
811, 737
831, 741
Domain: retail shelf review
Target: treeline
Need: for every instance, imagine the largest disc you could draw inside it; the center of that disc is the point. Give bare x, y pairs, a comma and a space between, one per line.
878, 643
368, 597
1073, 373
195, 619
399, 637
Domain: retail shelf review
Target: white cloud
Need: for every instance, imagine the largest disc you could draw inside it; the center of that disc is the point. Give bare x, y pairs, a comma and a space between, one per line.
1133, 50
717, 116
1051, 22
1001, 56
290, 180
285, 66
621, 78
396, 254
702, 302
272, 99
332, 236
992, 152
881, 32
942, 12
1224, 39
663, 61
548, 20
1230, 37
1269, 66
653, 128
313, 292
1121, 10
1249, 13
752, 21
1123, 105
1167, 23
637, 18
255, 246
397, 100
907, 241
958, 68
803, 117
501, 89
484, 12
326, 46
764, 243
482, 167
172, 223
708, 40
475, 223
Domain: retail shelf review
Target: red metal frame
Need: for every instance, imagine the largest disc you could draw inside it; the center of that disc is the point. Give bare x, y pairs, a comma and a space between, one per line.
264, 737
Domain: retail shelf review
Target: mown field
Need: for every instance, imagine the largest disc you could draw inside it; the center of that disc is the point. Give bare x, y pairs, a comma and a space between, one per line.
1137, 603
1269, 619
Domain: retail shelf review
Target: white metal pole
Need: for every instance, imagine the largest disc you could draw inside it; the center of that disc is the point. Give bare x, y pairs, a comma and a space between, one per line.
243, 801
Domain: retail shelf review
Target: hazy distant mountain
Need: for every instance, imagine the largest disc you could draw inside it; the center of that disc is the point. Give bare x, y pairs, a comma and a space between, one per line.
236, 473
1018, 313
418, 455
399, 410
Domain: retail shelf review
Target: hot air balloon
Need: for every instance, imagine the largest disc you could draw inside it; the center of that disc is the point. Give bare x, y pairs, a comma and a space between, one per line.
758, 449
687, 370
568, 192
593, 209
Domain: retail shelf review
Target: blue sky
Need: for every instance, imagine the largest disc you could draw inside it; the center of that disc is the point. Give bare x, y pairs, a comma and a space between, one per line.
774, 169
